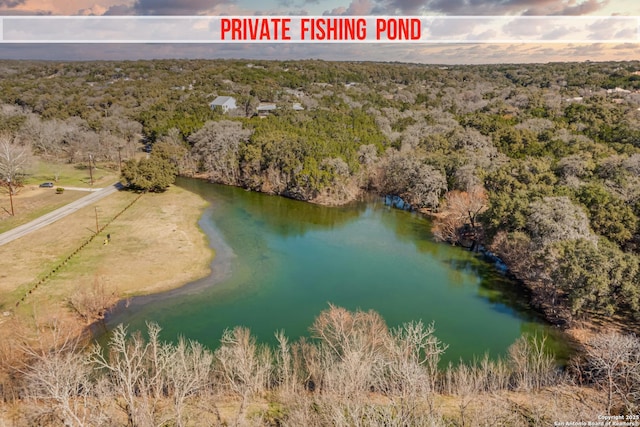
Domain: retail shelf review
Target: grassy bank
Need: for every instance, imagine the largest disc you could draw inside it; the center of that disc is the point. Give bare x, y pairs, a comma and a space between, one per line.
155, 245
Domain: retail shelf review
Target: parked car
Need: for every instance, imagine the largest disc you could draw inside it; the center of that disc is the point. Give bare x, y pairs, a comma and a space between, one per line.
47, 185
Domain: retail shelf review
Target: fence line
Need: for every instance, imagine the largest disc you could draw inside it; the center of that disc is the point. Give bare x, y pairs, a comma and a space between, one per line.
75, 252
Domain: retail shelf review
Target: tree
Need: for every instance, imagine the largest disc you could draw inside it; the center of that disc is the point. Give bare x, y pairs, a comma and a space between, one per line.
243, 367
609, 215
154, 174
58, 383
597, 277
458, 220
44, 136
408, 177
175, 152
188, 368
555, 219
15, 159
136, 371
613, 361
216, 146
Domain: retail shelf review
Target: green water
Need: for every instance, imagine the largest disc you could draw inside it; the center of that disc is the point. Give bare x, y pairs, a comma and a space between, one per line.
280, 262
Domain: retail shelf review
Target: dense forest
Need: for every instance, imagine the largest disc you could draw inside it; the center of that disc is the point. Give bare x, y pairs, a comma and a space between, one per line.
540, 164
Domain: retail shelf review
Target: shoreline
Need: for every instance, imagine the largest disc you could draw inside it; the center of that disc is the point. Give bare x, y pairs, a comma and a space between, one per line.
220, 268
156, 246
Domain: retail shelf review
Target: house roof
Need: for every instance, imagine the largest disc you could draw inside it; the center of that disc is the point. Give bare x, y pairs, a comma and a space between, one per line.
222, 100
266, 106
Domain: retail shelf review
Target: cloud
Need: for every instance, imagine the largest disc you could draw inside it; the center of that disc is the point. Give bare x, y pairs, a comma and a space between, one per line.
120, 10
11, 3
360, 7
484, 8
356, 8
584, 8
176, 7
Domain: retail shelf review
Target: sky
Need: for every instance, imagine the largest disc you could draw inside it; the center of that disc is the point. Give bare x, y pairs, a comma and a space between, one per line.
437, 54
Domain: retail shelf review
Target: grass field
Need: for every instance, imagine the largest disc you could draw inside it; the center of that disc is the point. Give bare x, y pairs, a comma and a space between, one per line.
33, 201
71, 175
155, 245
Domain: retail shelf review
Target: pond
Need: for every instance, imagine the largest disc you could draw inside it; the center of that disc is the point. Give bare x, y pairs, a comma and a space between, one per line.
280, 262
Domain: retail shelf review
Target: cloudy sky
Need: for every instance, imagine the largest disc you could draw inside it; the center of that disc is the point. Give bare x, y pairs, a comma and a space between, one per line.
440, 54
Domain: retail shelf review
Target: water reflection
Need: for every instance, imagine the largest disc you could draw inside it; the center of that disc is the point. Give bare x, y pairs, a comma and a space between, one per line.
277, 214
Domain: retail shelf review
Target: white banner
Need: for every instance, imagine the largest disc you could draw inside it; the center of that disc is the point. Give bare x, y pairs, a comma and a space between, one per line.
319, 29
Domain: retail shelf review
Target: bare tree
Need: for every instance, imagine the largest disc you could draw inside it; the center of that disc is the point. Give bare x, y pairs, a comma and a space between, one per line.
457, 220
44, 136
57, 381
344, 332
284, 365
216, 146
15, 159
532, 366
613, 361
92, 302
411, 368
188, 369
465, 385
242, 366
130, 374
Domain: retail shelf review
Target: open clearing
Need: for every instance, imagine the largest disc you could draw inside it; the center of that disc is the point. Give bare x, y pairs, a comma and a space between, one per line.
32, 201
155, 245
71, 175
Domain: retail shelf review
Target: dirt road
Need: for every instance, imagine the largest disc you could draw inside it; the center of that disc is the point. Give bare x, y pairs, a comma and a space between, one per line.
51, 217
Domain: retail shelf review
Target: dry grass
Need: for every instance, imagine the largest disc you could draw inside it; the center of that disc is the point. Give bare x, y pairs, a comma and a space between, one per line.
72, 175
155, 245
32, 202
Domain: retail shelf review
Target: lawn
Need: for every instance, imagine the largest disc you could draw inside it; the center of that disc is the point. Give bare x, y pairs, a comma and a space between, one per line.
71, 175
33, 201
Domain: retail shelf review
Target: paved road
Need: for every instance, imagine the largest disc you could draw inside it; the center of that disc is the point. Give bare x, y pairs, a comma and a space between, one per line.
52, 217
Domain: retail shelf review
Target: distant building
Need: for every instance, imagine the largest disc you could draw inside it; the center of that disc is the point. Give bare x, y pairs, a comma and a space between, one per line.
225, 103
297, 106
264, 108
618, 90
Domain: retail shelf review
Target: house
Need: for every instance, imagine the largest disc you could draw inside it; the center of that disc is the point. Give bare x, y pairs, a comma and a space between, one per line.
264, 108
618, 90
225, 103
297, 106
